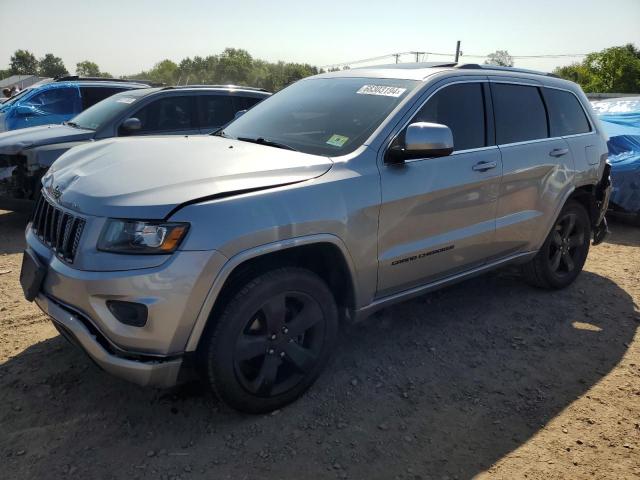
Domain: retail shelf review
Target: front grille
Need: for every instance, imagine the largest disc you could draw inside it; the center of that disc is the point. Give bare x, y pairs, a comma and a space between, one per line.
58, 229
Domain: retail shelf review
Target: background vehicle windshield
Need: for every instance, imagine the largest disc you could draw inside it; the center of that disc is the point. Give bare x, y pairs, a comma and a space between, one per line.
16, 97
102, 112
323, 116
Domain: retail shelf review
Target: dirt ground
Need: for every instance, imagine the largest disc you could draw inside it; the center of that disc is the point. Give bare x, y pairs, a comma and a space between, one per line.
486, 379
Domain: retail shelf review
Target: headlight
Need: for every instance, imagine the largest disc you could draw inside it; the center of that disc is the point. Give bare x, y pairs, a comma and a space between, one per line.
141, 236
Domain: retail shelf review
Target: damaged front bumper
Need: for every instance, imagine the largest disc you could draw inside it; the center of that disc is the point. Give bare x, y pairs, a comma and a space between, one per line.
150, 371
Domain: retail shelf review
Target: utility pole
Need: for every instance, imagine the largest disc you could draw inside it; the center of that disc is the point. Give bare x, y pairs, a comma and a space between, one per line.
396, 56
417, 54
457, 51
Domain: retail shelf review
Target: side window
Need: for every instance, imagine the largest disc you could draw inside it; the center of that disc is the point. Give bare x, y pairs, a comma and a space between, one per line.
215, 110
58, 101
166, 114
566, 115
461, 108
245, 103
519, 112
93, 95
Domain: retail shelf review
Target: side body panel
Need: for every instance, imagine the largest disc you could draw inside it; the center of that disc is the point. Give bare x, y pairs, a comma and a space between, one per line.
437, 215
538, 175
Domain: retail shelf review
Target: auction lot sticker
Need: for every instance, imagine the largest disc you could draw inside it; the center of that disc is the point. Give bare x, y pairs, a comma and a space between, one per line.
337, 140
381, 90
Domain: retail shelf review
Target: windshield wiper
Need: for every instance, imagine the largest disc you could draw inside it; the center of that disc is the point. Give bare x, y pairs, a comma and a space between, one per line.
268, 143
71, 124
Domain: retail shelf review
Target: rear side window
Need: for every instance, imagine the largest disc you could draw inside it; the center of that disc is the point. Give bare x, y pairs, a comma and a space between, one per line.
215, 110
519, 112
566, 115
58, 101
166, 114
245, 103
461, 108
93, 95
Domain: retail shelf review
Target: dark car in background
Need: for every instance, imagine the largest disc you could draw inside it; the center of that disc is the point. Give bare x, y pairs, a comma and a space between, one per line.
59, 100
25, 155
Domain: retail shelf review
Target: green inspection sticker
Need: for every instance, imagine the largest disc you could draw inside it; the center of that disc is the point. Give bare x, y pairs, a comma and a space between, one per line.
337, 140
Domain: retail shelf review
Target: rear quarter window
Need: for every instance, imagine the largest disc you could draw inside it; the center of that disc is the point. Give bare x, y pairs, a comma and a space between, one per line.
519, 113
566, 115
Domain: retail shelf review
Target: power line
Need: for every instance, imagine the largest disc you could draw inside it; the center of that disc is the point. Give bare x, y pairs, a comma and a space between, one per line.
396, 57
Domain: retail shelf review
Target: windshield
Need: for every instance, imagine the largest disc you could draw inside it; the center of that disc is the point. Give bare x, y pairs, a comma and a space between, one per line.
322, 116
16, 97
102, 112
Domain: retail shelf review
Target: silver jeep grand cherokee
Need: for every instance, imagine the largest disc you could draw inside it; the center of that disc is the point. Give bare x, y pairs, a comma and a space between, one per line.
241, 253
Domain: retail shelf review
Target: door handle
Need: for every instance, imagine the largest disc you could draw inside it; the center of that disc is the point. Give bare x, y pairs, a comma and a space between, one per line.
558, 152
484, 166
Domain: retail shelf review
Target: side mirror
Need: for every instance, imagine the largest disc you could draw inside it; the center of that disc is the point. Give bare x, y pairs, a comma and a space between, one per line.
422, 140
24, 110
239, 113
131, 125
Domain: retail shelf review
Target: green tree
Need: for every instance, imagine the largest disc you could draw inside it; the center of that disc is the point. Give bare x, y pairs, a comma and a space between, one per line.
51, 66
613, 70
499, 57
88, 68
165, 71
23, 62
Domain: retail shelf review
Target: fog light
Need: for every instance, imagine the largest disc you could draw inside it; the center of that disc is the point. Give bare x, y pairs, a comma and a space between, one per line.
129, 313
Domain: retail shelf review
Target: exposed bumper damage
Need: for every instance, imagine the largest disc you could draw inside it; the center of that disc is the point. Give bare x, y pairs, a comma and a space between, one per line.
601, 203
145, 371
18, 182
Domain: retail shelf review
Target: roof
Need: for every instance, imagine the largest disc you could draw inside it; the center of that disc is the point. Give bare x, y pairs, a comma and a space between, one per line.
216, 87
21, 81
422, 70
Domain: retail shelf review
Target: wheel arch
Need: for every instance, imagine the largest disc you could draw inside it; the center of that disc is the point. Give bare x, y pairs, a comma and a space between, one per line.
324, 254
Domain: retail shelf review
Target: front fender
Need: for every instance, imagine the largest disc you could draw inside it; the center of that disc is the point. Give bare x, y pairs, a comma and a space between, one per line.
240, 258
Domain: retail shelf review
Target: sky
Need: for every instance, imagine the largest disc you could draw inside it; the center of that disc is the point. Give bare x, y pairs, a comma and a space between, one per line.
125, 37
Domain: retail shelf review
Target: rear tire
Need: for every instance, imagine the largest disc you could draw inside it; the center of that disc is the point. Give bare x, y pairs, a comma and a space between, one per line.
272, 340
561, 257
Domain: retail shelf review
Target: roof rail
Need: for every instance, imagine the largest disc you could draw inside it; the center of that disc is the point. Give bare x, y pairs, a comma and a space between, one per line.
476, 66
77, 78
238, 87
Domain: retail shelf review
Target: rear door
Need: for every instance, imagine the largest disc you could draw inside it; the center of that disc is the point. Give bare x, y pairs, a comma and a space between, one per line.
537, 168
437, 215
568, 119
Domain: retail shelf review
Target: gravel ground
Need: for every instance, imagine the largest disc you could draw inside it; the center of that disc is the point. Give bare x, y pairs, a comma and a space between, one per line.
486, 379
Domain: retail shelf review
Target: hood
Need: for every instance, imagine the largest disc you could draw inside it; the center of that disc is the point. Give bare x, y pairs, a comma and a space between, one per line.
149, 177
15, 141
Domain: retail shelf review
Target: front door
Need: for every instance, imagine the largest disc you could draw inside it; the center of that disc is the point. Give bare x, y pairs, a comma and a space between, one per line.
437, 215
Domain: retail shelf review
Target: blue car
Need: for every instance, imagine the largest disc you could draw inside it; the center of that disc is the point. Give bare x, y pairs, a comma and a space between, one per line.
58, 101
620, 118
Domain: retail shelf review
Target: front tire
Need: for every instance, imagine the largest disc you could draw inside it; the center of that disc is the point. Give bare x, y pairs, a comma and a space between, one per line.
561, 258
272, 340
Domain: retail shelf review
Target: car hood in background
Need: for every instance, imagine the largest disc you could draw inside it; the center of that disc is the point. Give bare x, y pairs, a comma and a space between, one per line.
15, 141
149, 177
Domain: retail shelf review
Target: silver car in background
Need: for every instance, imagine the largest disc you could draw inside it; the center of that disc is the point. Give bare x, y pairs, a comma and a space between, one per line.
241, 253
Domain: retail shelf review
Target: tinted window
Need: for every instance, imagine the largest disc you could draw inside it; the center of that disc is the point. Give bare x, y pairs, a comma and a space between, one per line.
323, 116
519, 113
93, 95
108, 110
58, 101
565, 113
215, 110
166, 114
245, 103
461, 108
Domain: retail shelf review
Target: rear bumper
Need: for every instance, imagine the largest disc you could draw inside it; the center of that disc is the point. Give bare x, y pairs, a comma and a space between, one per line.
153, 371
